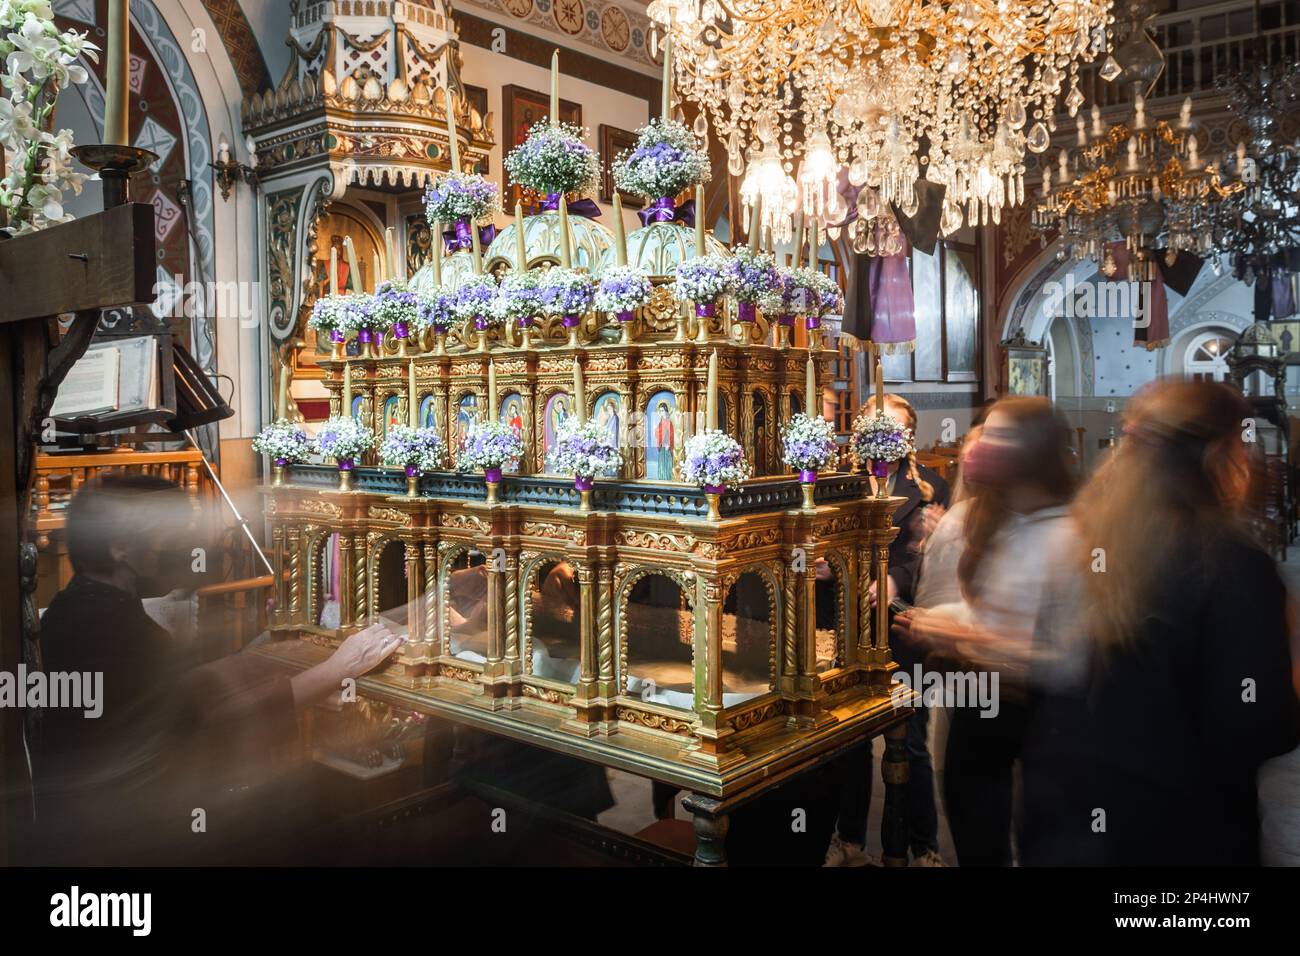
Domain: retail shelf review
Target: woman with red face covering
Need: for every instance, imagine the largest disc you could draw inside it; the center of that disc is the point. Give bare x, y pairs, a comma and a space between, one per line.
1015, 537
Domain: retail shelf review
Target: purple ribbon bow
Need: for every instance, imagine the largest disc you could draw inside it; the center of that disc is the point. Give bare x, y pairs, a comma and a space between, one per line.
579, 207
664, 209
459, 237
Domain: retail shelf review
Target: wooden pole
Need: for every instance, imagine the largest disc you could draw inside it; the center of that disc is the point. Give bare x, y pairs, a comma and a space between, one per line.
711, 394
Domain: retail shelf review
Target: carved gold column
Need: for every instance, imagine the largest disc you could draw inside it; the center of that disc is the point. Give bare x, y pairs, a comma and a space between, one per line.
495, 667
879, 517
414, 621
512, 613
347, 611
360, 586
432, 633
789, 629
295, 575
278, 615
865, 628
605, 638
587, 689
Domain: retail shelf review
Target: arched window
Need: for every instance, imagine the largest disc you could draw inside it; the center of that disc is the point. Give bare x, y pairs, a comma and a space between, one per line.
1204, 360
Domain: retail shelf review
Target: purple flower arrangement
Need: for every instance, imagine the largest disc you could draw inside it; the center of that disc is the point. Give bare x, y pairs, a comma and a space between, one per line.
583, 449
778, 302
415, 449
750, 276
715, 461
879, 438
623, 290
520, 298
489, 446
474, 299
436, 310
808, 444
566, 292
666, 160
553, 160
345, 440
284, 442
461, 196
395, 307
814, 293
701, 280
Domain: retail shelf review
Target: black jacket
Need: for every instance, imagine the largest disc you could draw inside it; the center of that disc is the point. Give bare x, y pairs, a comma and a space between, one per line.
904, 556
1162, 742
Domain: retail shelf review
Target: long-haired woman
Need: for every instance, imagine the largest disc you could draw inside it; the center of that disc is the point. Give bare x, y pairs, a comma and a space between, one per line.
1015, 536
1186, 684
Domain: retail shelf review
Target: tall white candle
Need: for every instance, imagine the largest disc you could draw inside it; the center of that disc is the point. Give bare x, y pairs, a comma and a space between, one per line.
711, 393
412, 397
810, 387
354, 274
347, 389
452, 145
117, 87
579, 391
436, 255
555, 87
391, 251
521, 251
566, 254
666, 108
334, 270
620, 235
492, 388
699, 220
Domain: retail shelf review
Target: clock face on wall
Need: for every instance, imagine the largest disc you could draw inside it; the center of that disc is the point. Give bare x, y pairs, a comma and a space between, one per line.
520, 8
615, 29
568, 15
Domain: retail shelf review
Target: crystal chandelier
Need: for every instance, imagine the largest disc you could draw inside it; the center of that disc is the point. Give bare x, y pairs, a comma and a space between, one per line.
1139, 181
894, 89
1257, 227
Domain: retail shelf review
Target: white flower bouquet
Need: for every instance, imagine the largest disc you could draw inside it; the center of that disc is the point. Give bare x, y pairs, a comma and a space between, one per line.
666, 160
395, 307
701, 280
415, 449
455, 197
808, 443
623, 290
284, 442
583, 449
880, 438
566, 292
553, 160
715, 461
345, 440
489, 446
474, 298
520, 298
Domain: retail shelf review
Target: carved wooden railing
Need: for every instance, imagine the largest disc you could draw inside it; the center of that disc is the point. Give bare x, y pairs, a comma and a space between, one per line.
58, 477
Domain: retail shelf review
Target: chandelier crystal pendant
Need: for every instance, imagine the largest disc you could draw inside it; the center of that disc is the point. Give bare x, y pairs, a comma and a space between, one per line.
767, 183
888, 88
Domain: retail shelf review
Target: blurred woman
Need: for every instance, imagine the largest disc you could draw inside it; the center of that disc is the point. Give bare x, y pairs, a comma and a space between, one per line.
925, 495
1151, 757
1015, 536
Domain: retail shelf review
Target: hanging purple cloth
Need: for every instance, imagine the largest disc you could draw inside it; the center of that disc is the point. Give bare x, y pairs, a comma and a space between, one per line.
878, 305
1283, 295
